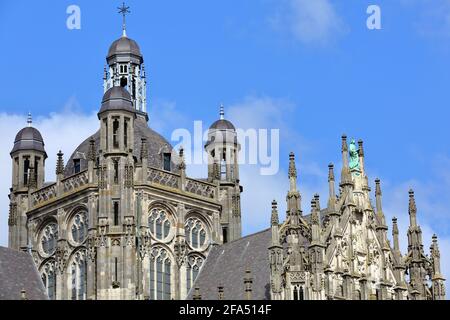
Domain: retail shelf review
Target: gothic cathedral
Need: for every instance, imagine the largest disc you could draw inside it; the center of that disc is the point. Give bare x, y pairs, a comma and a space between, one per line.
124, 221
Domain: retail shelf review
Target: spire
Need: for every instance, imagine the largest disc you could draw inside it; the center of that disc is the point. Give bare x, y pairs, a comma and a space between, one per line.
29, 119
274, 218
378, 198
222, 112
60, 163
293, 197
412, 209
395, 234
123, 11
292, 172
435, 256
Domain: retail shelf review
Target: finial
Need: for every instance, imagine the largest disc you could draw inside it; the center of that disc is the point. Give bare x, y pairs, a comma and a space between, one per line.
344, 143
377, 187
292, 169
330, 172
29, 119
182, 164
361, 148
222, 112
59, 163
123, 11
274, 218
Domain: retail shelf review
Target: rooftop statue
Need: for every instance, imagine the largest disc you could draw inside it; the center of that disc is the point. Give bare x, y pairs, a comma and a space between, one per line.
354, 158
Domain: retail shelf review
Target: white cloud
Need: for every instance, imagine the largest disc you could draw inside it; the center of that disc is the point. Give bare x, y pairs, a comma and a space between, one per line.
310, 22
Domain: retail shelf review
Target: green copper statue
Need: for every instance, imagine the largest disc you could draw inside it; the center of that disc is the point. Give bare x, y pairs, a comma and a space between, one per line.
354, 158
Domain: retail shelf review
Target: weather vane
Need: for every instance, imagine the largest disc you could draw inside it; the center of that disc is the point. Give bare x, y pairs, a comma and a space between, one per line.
123, 10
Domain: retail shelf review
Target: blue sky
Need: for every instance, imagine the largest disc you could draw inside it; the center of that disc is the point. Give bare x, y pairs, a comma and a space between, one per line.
310, 68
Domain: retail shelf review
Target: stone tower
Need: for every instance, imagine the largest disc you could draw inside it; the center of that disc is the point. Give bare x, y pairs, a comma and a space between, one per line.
28, 169
223, 149
126, 69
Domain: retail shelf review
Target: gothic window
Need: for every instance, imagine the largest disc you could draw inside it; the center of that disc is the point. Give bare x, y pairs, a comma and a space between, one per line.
116, 212
78, 277
49, 236
193, 267
116, 133
105, 121
159, 223
77, 165
116, 171
79, 227
36, 167
26, 167
166, 160
195, 231
160, 275
48, 276
125, 133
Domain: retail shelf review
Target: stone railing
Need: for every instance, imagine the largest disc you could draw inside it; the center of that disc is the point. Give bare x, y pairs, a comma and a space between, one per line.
76, 181
67, 185
173, 180
44, 194
200, 188
164, 178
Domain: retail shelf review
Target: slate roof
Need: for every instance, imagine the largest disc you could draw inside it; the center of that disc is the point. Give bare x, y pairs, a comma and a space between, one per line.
156, 145
28, 138
226, 265
18, 272
116, 98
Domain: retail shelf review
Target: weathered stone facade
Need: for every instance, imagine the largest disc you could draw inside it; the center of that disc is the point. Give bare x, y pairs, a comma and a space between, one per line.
122, 221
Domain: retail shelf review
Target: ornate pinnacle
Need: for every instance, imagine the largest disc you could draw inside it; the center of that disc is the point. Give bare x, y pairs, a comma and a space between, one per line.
377, 187
92, 153
144, 150
274, 218
292, 169
29, 119
222, 112
60, 163
330, 172
360, 148
182, 165
394, 226
412, 204
344, 143
314, 212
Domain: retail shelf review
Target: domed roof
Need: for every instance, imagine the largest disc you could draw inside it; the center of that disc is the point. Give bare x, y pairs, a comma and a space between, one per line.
222, 124
156, 145
116, 98
125, 47
28, 138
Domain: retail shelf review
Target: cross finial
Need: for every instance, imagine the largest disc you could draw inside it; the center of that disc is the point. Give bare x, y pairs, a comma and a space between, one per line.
222, 112
29, 119
123, 10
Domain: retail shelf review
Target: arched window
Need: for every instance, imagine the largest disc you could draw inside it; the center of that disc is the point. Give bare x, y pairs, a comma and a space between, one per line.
78, 277
160, 275
79, 227
159, 223
195, 231
48, 276
194, 264
49, 236
116, 133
